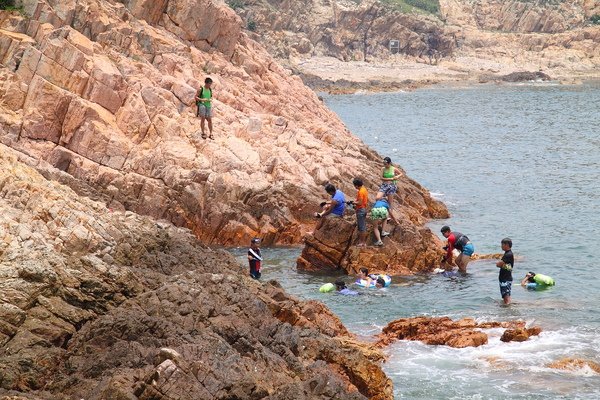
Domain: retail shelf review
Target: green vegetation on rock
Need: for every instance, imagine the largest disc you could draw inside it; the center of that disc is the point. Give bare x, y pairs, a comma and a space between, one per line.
429, 6
236, 4
595, 19
7, 4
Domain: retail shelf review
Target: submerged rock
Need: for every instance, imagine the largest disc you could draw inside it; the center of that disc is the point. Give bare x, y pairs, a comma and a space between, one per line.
575, 364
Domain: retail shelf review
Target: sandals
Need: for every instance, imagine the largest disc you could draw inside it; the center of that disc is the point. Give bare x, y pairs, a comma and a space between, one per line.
203, 135
211, 137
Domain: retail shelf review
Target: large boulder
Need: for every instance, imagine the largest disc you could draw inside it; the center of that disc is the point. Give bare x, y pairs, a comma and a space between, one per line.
410, 248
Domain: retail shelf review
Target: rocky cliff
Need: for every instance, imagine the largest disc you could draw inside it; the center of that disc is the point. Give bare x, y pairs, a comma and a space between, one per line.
466, 40
101, 304
348, 30
104, 91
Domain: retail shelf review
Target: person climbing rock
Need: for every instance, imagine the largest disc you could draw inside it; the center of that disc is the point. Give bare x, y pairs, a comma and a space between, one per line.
460, 242
334, 207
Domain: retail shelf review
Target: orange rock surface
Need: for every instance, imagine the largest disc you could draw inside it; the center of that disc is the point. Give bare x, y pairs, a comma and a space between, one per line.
104, 92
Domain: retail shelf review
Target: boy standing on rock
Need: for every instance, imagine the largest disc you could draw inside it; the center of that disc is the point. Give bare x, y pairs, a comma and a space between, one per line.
506, 266
254, 258
204, 104
360, 205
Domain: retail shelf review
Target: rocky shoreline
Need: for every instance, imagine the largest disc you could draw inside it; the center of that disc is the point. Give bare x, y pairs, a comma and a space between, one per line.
409, 77
118, 305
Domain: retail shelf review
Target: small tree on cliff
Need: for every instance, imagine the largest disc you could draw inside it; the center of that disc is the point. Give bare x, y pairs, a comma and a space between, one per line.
7, 4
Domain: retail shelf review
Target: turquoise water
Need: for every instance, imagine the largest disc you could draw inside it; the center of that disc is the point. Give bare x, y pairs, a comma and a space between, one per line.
521, 161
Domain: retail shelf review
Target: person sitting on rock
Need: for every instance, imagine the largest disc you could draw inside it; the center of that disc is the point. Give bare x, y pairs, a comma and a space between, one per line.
335, 207
204, 107
379, 214
255, 258
340, 287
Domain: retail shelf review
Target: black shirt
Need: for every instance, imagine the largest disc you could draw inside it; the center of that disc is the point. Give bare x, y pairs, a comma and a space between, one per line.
506, 271
254, 261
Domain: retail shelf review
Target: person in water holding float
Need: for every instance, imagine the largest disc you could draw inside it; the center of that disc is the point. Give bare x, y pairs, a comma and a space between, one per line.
460, 242
506, 265
533, 281
379, 214
367, 280
335, 207
255, 258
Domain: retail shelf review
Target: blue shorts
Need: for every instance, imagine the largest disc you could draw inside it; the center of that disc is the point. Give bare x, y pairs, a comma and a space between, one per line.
468, 249
388, 188
361, 219
505, 287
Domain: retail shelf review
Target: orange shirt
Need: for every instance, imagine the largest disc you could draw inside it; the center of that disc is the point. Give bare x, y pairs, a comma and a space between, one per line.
362, 198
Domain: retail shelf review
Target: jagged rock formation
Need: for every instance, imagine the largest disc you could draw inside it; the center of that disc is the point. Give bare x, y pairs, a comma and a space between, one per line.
343, 29
407, 250
467, 39
104, 91
112, 305
517, 15
443, 331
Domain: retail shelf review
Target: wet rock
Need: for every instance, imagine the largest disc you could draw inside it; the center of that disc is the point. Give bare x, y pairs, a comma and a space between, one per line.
520, 334
575, 364
465, 332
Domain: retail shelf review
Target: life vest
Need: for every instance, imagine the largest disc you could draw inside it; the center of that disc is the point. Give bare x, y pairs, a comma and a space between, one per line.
543, 280
460, 240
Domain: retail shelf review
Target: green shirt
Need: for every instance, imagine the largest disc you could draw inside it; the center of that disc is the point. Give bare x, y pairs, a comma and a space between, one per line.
205, 93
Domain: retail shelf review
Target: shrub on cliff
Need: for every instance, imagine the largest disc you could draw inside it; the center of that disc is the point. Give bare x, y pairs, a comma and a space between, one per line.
405, 6
7, 4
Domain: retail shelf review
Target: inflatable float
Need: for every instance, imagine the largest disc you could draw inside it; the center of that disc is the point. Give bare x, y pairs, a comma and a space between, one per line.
326, 288
540, 282
363, 282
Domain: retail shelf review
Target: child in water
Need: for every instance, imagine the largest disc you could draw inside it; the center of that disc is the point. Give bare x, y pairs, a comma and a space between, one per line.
340, 287
363, 275
535, 281
506, 265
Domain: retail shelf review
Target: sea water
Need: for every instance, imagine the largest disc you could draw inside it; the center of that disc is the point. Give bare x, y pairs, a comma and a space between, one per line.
518, 161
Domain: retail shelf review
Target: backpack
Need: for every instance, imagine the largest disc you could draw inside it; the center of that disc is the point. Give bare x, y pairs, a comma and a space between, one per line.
200, 94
